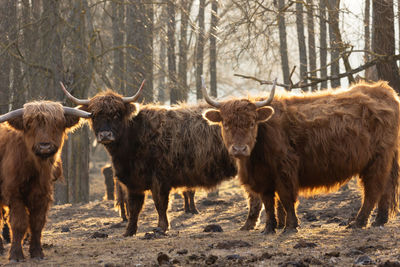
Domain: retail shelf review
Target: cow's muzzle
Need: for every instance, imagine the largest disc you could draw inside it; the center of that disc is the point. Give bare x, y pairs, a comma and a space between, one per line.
105, 137
45, 150
239, 151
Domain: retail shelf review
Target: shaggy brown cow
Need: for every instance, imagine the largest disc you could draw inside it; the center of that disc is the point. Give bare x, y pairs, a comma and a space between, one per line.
315, 143
159, 148
30, 161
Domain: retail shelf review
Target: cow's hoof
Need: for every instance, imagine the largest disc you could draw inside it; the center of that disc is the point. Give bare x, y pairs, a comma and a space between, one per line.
379, 222
194, 211
16, 256
129, 232
247, 227
280, 226
355, 225
37, 254
163, 227
268, 230
288, 231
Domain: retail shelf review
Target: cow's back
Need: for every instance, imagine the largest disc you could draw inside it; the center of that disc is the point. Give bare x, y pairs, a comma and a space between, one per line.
184, 149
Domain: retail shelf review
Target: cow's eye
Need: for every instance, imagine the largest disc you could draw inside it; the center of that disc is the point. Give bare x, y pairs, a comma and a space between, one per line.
252, 124
226, 127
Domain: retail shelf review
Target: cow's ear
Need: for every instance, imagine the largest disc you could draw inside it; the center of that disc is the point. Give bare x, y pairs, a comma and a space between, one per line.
71, 121
264, 113
212, 115
17, 123
132, 109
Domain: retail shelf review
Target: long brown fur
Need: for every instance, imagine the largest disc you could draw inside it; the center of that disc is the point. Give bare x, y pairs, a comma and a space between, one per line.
26, 179
317, 142
158, 148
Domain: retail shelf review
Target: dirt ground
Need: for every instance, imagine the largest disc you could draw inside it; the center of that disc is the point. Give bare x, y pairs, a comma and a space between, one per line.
322, 239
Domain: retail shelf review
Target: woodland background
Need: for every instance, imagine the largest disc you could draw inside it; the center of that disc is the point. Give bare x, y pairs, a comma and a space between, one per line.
91, 45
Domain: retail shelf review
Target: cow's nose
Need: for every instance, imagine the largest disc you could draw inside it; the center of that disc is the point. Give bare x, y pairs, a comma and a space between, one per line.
239, 150
105, 136
45, 146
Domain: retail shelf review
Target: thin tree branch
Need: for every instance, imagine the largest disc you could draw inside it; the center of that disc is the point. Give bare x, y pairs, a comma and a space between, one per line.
301, 83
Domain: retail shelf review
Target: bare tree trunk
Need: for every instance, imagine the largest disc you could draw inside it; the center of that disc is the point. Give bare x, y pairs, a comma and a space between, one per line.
200, 50
51, 50
5, 66
183, 50
17, 88
172, 79
31, 44
283, 43
333, 13
118, 14
162, 71
76, 151
213, 48
367, 34
323, 43
340, 45
302, 42
312, 59
370, 73
383, 42
139, 25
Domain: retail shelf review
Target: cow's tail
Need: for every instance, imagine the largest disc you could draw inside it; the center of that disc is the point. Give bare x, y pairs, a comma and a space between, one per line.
394, 186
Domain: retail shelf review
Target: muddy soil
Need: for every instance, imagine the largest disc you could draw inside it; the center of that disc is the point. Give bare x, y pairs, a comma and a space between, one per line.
91, 234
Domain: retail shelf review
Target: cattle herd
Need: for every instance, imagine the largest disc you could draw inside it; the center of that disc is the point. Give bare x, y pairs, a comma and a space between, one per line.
279, 147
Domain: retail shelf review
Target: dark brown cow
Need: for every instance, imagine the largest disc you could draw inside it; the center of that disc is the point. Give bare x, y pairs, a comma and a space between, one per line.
30, 146
159, 148
315, 143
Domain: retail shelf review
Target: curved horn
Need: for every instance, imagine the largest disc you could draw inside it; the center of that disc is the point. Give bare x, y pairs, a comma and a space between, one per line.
73, 98
134, 97
11, 115
76, 112
213, 103
263, 103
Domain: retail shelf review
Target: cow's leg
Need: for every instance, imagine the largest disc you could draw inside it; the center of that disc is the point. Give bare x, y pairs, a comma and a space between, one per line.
1, 227
161, 197
192, 204
291, 222
135, 204
389, 201
373, 179
19, 225
37, 219
255, 206
281, 214
269, 205
120, 198
186, 197
287, 190
123, 211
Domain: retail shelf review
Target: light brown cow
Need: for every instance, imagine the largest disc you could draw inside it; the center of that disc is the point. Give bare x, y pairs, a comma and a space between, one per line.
30, 145
313, 143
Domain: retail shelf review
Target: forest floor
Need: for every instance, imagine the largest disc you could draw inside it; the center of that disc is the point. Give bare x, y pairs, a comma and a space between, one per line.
91, 234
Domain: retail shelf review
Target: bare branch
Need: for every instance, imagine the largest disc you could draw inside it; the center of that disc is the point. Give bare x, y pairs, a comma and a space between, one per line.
301, 83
